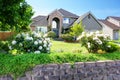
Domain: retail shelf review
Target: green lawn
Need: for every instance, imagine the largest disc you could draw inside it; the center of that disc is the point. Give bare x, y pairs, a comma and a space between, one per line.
61, 46
17, 65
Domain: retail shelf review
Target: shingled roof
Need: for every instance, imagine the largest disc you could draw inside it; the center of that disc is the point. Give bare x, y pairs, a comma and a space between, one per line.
39, 21
67, 13
109, 24
116, 18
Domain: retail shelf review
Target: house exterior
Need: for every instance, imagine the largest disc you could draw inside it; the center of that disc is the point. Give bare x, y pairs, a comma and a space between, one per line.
90, 22
111, 26
61, 20
58, 20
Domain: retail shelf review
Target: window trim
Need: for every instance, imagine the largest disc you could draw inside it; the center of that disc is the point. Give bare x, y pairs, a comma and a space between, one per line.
67, 21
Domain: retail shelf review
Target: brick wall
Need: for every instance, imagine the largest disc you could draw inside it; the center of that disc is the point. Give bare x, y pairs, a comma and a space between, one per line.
101, 70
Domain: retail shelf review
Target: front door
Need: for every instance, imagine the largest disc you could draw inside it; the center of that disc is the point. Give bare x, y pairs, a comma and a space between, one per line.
55, 26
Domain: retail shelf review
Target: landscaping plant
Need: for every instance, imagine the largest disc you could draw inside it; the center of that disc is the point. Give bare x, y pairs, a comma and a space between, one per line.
96, 42
30, 42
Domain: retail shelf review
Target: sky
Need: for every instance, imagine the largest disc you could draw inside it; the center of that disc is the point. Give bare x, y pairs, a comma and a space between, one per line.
99, 8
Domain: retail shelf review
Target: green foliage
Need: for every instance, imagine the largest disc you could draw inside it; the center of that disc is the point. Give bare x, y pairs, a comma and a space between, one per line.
15, 15
51, 34
74, 32
94, 41
67, 37
62, 46
49, 28
4, 46
76, 29
111, 47
17, 65
29, 42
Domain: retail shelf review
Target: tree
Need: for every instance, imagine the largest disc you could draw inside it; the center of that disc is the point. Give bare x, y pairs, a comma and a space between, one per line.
76, 29
15, 15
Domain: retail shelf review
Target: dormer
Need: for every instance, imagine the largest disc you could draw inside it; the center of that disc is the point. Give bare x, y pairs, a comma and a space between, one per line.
114, 20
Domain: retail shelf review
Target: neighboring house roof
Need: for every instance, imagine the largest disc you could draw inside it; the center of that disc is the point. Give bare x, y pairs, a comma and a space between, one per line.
40, 21
116, 18
67, 13
109, 24
84, 16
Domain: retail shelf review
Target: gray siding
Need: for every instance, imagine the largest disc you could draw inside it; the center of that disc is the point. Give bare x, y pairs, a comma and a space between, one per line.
107, 30
90, 24
72, 20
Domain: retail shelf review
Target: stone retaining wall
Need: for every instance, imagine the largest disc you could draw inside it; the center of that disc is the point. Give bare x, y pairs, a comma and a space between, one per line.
101, 70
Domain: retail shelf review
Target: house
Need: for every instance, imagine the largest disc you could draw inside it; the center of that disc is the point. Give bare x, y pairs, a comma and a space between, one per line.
111, 26
61, 20
90, 22
58, 21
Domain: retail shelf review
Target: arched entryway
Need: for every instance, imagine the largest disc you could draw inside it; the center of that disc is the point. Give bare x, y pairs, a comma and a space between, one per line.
56, 25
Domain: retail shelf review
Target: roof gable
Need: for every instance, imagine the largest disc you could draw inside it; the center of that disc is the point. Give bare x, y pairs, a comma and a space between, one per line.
39, 21
68, 14
109, 24
85, 15
116, 18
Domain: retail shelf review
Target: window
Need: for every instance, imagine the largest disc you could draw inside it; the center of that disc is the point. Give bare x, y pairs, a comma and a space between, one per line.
66, 20
41, 29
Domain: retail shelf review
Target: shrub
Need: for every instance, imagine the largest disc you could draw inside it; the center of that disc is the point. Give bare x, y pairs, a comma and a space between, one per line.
111, 47
76, 29
51, 34
31, 42
67, 37
94, 42
4, 46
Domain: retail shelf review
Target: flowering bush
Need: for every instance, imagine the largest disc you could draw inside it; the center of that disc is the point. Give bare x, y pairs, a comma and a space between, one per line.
94, 41
30, 42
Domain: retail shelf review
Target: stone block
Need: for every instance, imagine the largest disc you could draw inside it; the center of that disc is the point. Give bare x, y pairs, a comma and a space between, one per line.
37, 68
6, 77
79, 65
116, 77
91, 74
66, 77
76, 77
51, 66
98, 78
90, 64
79, 75
29, 75
79, 70
117, 62
110, 63
59, 72
65, 66
100, 64
110, 78
105, 78
88, 78
46, 72
22, 78
39, 78
70, 71
54, 77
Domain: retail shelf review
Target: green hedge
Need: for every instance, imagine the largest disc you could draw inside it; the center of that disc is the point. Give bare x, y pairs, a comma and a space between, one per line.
17, 65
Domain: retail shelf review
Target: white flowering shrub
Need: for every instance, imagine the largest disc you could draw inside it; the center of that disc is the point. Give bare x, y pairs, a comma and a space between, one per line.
94, 41
31, 42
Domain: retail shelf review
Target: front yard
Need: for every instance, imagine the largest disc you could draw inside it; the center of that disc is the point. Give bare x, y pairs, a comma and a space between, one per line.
61, 46
61, 52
